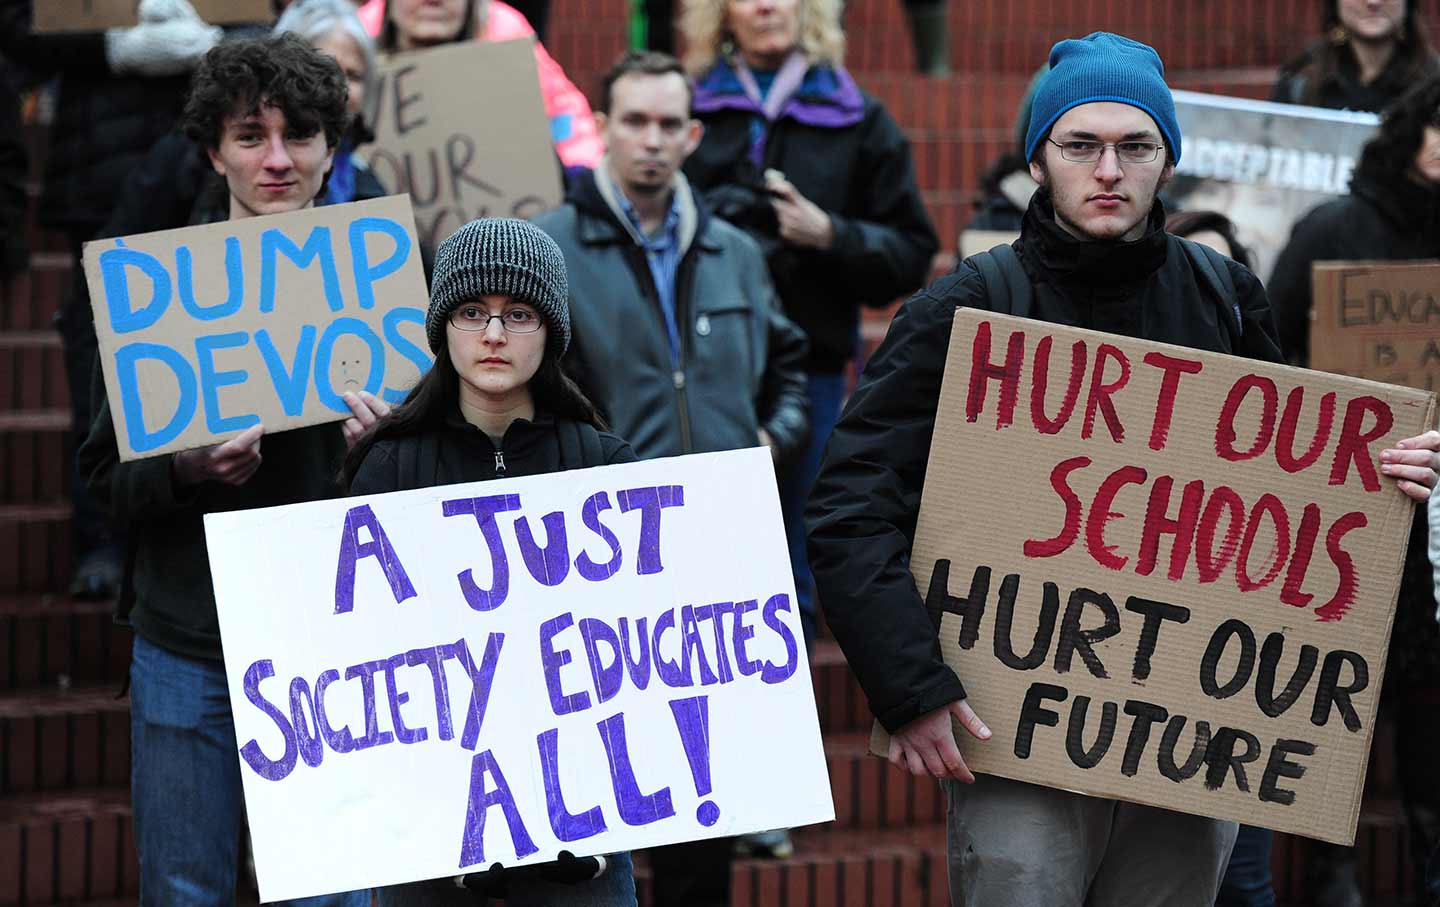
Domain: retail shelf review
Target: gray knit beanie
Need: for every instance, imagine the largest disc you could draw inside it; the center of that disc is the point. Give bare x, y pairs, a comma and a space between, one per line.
500, 256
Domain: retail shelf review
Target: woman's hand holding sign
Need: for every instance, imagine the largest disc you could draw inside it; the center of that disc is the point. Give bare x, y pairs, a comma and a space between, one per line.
1414, 464
368, 410
232, 462
927, 744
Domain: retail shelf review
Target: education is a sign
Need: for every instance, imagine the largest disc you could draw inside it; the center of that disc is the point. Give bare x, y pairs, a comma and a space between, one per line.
206, 331
1378, 320
1181, 592
428, 682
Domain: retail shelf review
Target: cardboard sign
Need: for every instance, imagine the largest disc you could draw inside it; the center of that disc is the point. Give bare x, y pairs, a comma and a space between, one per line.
1377, 320
206, 331
98, 15
428, 682
1182, 591
1263, 165
462, 128
974, 241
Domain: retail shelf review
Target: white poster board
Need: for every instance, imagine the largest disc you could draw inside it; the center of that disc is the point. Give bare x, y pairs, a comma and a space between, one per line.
1263, 165
428, 682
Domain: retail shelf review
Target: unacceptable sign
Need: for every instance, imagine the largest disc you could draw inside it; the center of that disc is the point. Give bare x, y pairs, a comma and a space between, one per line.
462, 128
98, 15
1263, 165
1378, 320
206, 331
1182, 593
429, 682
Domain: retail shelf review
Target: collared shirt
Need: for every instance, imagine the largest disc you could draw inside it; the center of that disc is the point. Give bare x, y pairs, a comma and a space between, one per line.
662, 253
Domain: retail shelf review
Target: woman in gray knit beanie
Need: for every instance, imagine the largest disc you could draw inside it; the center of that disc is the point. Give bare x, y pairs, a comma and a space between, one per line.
496, 404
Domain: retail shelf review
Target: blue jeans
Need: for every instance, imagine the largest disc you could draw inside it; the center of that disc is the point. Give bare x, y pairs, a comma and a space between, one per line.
185, 784
614, 888
1247, 878
827, 394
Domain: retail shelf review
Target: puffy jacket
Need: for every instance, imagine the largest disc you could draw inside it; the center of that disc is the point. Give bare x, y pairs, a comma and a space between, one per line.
104, 123
1386, 217
864, 505
740, 357
841, 149
572, 124
455, 451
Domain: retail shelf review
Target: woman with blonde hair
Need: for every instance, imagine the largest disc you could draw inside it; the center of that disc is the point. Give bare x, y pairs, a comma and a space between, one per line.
820, 175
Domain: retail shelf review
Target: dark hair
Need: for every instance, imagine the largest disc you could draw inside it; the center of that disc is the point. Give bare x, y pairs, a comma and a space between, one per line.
1391, 153
283, 71
1319, 63
389, 40
643, 63
437, 395
1188, 223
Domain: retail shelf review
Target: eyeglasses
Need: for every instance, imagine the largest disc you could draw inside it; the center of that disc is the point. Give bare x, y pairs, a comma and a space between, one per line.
514, 321
1080, 151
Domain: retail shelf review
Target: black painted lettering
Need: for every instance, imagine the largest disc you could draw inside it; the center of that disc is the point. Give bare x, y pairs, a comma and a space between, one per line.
1044, 626
1219, 642
1156, 613
1033, 712
1073, 639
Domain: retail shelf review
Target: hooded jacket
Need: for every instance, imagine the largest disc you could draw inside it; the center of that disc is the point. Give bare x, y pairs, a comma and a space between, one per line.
840, 148
455, 451
740, 359
1386, 217
865, 503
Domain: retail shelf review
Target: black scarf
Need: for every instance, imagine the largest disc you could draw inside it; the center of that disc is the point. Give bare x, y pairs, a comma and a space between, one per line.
1104, 267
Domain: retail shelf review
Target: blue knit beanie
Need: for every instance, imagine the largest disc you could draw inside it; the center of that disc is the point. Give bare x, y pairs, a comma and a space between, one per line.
1103, 67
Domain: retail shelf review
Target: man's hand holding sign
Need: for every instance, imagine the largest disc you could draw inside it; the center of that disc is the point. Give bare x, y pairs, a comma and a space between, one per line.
1192, 608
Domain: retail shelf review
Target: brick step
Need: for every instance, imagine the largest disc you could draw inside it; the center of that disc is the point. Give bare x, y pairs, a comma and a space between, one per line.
58, 739
32, 371
29, 301
35, 461
76, 846
36, 554
838, 868
839, 701
54, 640
870, 793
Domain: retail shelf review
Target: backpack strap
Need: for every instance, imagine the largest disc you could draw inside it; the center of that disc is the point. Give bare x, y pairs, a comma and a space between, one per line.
1006, 283
1215, 274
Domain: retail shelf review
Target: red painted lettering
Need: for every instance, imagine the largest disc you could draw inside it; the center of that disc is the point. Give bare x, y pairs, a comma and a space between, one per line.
1071, 527
1182, 526
1267, 505
1225, 428
1173, 367
1100, 514
1100, 392
1344, 595
1291, 593
982, 371
1285, 442
1044, 423
1354, 443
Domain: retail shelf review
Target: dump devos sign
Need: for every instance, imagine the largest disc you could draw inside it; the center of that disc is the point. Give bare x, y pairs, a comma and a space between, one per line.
206, 331
430, 682
1192, 605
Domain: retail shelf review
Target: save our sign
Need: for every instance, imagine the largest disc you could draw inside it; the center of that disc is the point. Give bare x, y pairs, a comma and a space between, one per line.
1189, 605
428, 682
205, 331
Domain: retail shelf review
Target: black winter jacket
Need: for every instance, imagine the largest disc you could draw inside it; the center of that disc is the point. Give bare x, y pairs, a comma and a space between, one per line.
1386, 217
1343, 90
741, 359
863, 177
864, 505
455, 451
104, 123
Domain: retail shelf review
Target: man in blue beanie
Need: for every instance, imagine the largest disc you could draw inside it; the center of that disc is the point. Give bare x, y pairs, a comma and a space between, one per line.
1092, 253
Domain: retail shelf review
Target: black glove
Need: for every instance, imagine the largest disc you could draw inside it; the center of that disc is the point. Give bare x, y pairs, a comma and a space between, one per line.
567, 869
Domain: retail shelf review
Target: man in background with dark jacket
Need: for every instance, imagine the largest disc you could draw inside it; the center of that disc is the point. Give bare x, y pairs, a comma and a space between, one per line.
678, 337
269, 113
1103, 140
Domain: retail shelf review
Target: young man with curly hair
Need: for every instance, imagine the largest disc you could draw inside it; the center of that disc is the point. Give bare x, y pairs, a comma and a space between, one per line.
268, 114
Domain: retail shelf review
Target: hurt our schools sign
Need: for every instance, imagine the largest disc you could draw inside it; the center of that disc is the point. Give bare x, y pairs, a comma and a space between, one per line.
428, 682
1182, 591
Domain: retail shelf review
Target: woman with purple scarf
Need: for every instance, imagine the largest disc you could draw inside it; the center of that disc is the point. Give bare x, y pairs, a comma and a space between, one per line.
820, 175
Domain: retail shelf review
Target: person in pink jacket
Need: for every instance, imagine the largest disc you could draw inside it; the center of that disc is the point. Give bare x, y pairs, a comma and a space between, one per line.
414, 24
